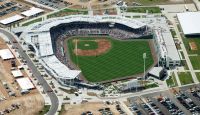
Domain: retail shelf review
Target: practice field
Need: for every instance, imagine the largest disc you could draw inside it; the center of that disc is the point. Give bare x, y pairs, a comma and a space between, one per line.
121, 59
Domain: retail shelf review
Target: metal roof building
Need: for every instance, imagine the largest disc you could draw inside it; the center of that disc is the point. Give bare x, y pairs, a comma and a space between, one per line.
189, 22
6, 54
32, 11
11, 19
166, 48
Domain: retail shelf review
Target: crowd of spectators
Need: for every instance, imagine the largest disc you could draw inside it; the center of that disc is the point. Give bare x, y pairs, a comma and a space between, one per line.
65, 31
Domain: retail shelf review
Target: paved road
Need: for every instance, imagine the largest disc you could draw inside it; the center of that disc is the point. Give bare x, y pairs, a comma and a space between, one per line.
36, 73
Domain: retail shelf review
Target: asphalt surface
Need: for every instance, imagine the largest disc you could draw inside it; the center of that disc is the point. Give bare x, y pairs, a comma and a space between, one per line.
36, 73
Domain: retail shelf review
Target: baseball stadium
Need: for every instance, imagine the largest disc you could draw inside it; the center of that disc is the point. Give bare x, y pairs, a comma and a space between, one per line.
92, 48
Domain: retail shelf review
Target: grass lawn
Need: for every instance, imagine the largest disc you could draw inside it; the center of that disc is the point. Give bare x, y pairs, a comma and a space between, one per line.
66, 12
148, 2
172, 82
33, 21
195, 60
144, 9
123, 59
198, 75
186, 42
87, 45
45, 110
185, 78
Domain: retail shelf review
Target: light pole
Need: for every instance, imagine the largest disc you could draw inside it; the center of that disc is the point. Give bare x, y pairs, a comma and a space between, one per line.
144, 57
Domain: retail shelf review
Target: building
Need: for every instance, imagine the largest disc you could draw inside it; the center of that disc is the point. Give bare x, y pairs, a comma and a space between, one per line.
189, 22
165, 47
39, 36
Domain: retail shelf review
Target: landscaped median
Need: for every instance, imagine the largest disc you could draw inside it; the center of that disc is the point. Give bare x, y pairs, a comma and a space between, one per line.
144, 9
32, 21
185, 78
171, 81
66, 12
173, 33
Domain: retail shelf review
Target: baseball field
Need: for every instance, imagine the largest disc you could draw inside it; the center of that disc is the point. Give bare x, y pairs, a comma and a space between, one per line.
104, 58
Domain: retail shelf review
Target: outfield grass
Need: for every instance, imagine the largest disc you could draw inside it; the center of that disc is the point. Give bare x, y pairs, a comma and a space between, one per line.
172, 82
198, 75
33, 21
185, 78
195, 60
91, 45
144, 9
66, 12
123, 59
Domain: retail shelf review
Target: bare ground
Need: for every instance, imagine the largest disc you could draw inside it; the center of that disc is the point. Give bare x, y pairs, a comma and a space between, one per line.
92, 106
31, 104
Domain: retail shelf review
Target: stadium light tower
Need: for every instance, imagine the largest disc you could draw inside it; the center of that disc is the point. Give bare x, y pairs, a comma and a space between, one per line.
144, 57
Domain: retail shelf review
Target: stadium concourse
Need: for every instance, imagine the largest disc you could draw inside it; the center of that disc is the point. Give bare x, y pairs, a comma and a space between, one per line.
46, 36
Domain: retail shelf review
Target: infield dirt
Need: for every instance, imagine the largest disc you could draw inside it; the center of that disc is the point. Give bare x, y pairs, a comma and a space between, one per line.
103, 46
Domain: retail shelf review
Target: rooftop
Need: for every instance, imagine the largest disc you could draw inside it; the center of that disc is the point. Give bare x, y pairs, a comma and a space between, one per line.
189, 22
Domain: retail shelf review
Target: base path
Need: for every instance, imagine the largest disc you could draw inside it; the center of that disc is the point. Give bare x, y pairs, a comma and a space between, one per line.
103, 46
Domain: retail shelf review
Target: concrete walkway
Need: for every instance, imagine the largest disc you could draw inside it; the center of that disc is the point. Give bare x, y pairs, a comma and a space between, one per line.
177, 78
185, 54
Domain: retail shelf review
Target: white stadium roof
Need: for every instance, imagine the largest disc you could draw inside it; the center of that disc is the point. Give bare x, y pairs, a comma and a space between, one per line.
6, 54
11, 19
32, 11
58, 69
46, 25
189, 22
25, 83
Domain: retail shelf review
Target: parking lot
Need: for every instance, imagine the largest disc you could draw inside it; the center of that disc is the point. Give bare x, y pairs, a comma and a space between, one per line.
181, 101
57, 4
9, 8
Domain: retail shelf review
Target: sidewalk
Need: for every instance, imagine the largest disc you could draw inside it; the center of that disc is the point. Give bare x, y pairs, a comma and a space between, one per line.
177, 78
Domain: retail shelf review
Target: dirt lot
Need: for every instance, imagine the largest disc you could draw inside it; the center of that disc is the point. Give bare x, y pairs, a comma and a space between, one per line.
31, 103
92, 106
94, 4
6, 76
